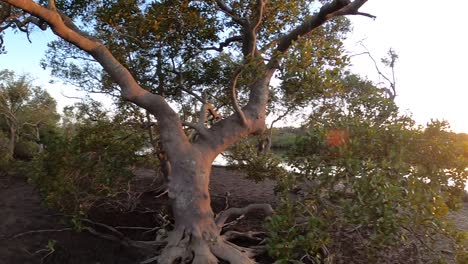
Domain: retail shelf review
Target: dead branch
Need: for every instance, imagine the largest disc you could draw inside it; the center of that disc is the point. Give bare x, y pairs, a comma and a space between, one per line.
392, 83
230, 235
40, 231
146, 245
225, 215
119, 237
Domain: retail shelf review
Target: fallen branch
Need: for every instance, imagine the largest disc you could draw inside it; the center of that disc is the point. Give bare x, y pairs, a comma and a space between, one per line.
231, 235
225, 215
40, 231
146, 245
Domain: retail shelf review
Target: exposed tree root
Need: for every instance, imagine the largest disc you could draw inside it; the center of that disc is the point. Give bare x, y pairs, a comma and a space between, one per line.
204, 245
197, 244
202, 250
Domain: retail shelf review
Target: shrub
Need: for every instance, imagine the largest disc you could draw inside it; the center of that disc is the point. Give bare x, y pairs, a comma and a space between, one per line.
367, 193
92, 163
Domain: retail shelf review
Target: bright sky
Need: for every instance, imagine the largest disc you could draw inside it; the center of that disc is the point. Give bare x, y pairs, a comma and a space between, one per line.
429, 38
427, 35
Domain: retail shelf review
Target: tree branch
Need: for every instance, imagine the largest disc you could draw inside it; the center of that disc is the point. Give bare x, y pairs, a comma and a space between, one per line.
251, 34
228, 11
64, 27
391, 93
224, 44
51, 5
201, 129
327, 12
234, 101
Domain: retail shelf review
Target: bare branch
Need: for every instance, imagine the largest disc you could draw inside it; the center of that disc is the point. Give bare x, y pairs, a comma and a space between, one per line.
352, 8
180, 85
198, 97
234, 101
228, 11
224, 44
71, 97
41, 231
391, 93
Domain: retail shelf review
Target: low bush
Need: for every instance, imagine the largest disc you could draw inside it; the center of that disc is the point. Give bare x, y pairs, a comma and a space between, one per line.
93, 163
368, 194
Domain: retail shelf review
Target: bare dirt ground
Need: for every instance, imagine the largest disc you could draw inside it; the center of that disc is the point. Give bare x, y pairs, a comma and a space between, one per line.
21, 211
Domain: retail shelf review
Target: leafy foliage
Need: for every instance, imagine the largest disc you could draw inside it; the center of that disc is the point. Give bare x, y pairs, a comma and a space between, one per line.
91, 160
169, 46
258, 166
367, 186
25, 112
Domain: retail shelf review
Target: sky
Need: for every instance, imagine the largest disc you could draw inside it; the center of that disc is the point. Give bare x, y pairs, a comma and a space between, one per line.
428, 36
431, 41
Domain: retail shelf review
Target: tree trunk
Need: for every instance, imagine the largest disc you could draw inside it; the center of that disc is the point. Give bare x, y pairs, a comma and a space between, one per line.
38, 139
12, 142
196, 236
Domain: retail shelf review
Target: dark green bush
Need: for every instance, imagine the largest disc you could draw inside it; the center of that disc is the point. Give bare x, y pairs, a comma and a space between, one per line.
375, 191
92, 163
366, 185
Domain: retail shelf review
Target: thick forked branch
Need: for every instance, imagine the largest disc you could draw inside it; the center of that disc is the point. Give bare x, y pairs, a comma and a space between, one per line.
250, 36
249, 50
64, 27
254, 110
